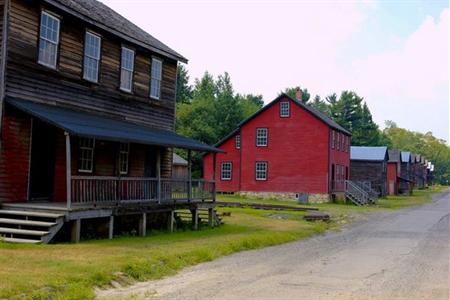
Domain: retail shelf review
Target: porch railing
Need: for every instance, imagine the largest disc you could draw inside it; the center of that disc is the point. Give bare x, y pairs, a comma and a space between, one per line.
105, 189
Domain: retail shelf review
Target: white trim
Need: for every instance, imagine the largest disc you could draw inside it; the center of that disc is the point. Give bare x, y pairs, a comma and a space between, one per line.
127, 162
285, 111
124, 48
46, 39
97, 59
91, 158
265, 170
237, 141
262, 134
159, 80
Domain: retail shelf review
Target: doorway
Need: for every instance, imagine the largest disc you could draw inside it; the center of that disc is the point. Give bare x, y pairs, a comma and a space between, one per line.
42, 162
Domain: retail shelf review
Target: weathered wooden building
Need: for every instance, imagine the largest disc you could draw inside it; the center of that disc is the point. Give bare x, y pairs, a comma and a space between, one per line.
285, 150
180, 167
369, 164
393, 171
87, 104
405, 179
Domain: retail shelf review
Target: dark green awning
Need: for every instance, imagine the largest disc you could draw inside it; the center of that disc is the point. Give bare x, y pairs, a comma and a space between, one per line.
89, 125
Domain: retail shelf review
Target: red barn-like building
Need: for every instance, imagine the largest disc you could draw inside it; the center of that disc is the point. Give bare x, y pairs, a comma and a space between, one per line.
285, 150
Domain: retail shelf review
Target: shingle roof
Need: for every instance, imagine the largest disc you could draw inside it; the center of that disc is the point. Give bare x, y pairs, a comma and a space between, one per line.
95, 126
368, 153
327, 120
100, 15
406, 156
178, 160
394, 156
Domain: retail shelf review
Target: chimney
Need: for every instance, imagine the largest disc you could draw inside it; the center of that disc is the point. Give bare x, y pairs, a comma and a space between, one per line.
298, 94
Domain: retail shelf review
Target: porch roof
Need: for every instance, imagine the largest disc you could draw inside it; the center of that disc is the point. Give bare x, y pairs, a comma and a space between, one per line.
94, 126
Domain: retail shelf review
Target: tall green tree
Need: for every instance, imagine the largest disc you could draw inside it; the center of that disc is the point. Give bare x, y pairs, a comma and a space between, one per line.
320, 105
184, 89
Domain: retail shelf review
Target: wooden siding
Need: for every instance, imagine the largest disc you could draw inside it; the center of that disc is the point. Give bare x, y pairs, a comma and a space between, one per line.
14, 156
28, 80
375, 172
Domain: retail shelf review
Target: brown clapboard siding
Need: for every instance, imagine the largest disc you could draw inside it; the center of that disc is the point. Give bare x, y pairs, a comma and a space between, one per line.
28, 80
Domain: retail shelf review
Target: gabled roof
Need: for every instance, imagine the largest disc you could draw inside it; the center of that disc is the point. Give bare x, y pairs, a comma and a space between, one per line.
178, 160
394, 156
100, 15
322, 117
368, 153
406, 156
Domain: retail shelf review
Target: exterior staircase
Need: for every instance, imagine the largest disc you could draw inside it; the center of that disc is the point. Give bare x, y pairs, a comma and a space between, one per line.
185, 215
356, 194
31, 227
367, 186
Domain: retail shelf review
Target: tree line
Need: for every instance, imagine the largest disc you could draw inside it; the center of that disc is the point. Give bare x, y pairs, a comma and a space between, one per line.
210, 109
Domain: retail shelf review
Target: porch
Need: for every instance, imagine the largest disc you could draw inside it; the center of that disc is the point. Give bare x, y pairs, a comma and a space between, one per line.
85, 166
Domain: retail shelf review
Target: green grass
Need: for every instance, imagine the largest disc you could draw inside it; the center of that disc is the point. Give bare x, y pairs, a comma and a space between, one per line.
71, 271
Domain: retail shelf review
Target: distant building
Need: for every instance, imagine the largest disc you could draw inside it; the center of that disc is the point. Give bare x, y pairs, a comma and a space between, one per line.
393, 171
179, 167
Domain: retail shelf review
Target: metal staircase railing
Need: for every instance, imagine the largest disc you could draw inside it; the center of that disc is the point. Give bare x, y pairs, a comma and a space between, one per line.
367, 186
356, 194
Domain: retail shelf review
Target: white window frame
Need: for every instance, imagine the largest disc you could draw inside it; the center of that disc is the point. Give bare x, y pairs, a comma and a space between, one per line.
285, 109
124, 157
262, 137
89, 151
44, 39
261, 170
125, 69
237, 141
228, 172
333, 139
95, 58
338, 141
154, 79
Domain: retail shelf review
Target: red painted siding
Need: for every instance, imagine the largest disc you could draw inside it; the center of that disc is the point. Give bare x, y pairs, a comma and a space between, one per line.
298, 154
14, 157
340, 159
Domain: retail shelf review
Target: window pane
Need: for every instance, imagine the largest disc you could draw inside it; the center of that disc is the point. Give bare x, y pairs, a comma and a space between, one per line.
156, 75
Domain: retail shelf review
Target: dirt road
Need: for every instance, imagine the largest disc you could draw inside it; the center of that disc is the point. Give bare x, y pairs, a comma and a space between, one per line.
396, 255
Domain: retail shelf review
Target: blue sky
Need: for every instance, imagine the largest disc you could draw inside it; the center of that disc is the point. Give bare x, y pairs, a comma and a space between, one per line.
393, 53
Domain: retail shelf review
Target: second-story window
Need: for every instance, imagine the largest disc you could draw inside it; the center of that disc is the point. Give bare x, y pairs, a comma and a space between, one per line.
156, 75
238, 141
338, 141
92, 46
48, 40
284, 109
126, 70
333, 141
261, 137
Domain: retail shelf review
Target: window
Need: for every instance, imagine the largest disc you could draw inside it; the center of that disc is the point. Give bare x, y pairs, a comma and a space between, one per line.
225, 170
342, 142
346, 143
48, 40
338, 141
261, 137
156, 75
238, 141
333, 139
124, 151
127, 69
92, 46
261, 170
284, 109
86, 156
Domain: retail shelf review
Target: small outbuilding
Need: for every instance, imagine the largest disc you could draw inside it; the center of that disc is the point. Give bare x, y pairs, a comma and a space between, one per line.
369, 164
179, 167
393, 171
405, 179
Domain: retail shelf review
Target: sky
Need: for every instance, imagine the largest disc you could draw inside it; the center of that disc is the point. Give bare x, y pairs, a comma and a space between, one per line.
395, 53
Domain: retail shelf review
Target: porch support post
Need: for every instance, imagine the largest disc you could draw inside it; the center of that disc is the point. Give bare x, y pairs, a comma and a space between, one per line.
158, 174
189, 175
111, 227
143, 225
214, 175
68, 172
194, 213
76, 230
171, 220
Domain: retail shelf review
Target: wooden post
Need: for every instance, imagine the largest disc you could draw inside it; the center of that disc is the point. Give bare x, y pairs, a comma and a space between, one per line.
68, 172
143, 225
189, 175
194, 213
210, 217
158, 174
76, 231
111, 227
214, 175
171, 220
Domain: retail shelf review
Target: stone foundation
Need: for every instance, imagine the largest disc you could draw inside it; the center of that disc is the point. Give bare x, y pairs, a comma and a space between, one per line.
297, 197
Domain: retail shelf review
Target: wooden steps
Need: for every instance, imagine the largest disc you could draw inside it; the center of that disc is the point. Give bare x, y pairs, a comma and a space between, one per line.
185, 216
31, 227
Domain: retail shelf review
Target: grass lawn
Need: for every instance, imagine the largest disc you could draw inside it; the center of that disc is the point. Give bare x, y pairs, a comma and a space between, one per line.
71, 271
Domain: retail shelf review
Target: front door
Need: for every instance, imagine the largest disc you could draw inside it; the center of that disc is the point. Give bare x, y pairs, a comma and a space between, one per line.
42, 162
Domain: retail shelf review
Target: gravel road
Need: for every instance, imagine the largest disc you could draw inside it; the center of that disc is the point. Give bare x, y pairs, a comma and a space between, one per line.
394, 255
